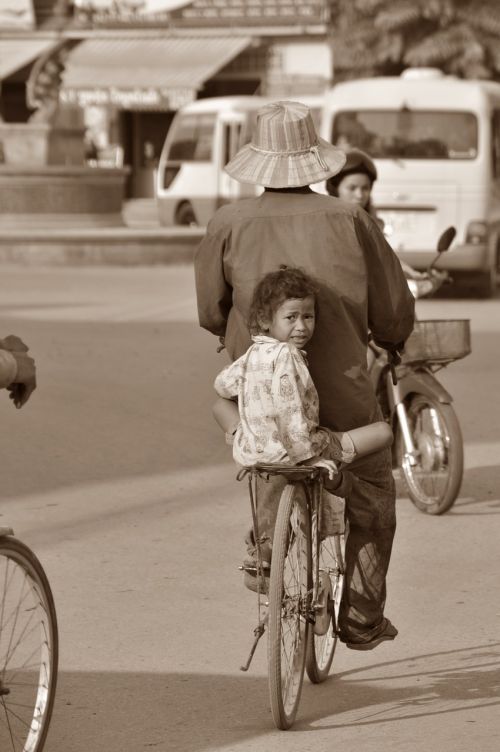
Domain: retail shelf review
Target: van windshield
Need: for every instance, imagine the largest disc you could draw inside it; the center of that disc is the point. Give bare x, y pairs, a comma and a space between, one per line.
191, 137
408, 134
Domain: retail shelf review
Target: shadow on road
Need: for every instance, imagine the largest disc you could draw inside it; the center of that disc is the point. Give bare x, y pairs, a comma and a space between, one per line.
197, 712
127, 712
426, 685
480, 484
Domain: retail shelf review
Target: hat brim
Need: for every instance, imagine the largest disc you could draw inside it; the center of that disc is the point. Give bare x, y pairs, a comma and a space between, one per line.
277, 170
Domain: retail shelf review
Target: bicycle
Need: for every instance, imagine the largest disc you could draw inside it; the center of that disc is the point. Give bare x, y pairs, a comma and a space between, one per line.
300, 605
300, 608
28, 647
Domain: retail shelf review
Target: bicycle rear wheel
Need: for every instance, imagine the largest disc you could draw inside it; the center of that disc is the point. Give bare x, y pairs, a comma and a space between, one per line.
289, 603
322, 639
28, 649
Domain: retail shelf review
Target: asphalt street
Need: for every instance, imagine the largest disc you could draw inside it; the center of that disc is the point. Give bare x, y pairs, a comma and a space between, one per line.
117, 476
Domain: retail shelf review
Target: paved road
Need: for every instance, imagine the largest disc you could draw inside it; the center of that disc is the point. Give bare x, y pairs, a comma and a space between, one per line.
117, 476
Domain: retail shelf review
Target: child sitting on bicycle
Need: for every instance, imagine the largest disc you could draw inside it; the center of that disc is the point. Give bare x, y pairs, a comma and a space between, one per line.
277, 400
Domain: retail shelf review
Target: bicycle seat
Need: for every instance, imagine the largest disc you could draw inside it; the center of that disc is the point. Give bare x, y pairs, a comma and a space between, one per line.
291, 472
6, 531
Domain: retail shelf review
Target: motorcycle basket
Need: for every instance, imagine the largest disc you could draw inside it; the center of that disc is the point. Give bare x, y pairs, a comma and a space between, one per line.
438, 341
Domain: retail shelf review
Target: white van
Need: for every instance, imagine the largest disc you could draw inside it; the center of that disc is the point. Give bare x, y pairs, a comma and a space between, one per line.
191, 183
436, 142
204, 136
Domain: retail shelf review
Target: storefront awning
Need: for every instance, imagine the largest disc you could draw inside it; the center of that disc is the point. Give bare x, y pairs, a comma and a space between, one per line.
16, 53
142, 74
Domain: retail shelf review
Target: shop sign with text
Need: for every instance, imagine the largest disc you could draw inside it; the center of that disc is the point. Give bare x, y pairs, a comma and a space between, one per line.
137, 98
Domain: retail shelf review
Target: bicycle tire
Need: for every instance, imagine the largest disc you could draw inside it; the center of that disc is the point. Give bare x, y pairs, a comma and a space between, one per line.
29, 649
321, 647
289, 603
434, 483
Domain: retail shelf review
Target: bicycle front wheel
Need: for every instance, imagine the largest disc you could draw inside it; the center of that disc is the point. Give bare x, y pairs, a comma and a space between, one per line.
322, 639
28, 649
289, 605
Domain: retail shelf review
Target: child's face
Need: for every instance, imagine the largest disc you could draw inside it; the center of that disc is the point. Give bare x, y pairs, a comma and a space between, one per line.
355, 189
294, 321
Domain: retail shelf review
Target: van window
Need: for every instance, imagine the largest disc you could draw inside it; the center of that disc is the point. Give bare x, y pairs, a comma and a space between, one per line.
495, 142
231, 140
191, 137
408, 134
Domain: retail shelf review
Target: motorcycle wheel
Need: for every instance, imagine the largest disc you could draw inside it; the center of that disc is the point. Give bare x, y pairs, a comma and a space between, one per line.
434, 482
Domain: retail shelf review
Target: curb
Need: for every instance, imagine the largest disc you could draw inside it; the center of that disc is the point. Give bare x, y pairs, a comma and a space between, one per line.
121, 246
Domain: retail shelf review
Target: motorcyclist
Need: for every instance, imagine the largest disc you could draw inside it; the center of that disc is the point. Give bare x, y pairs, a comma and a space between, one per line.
354, 184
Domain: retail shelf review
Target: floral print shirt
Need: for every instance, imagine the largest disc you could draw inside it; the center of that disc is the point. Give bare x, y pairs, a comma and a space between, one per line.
278, 404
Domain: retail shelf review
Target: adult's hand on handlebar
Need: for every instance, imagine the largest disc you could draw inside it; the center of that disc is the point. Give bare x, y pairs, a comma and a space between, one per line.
394, 359
411, 273
440, 275
429, 283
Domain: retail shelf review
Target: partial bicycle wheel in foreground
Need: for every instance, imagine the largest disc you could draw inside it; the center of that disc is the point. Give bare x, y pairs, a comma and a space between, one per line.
28, 649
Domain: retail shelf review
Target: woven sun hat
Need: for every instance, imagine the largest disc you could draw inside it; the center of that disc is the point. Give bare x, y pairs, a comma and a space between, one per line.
285, 150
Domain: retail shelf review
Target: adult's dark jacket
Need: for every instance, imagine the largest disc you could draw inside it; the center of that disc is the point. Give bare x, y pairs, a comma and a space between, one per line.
361, 286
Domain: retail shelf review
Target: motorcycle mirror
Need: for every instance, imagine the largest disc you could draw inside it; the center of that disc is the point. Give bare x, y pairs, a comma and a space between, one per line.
446, 239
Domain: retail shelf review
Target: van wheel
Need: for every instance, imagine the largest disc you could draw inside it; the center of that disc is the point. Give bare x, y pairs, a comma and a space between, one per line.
185, 215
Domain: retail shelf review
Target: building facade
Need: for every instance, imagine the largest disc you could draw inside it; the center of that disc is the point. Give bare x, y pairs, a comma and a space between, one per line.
130, 71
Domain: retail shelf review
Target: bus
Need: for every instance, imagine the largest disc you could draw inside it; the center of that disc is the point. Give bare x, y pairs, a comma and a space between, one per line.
435, 140
190, 181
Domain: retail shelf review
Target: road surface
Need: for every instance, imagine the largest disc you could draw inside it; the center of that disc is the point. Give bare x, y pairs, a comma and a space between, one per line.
119, 479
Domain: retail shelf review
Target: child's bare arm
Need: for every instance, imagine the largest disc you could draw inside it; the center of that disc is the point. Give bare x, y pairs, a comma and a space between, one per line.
226, 382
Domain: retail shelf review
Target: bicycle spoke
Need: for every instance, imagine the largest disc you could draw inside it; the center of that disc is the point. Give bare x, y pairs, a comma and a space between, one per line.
7, 719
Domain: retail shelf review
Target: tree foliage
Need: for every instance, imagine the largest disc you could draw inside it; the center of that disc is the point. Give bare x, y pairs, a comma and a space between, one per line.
383, 37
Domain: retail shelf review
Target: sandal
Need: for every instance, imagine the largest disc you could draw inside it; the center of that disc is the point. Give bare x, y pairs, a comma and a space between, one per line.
250, 579
389, 633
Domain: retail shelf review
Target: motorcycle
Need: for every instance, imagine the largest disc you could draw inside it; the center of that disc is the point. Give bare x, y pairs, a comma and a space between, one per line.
428, 444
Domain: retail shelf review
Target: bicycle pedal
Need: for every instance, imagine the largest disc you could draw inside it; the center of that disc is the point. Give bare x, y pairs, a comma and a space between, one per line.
242, 568
253, 569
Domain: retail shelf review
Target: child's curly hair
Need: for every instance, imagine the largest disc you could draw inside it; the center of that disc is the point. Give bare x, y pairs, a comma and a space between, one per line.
273, 289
